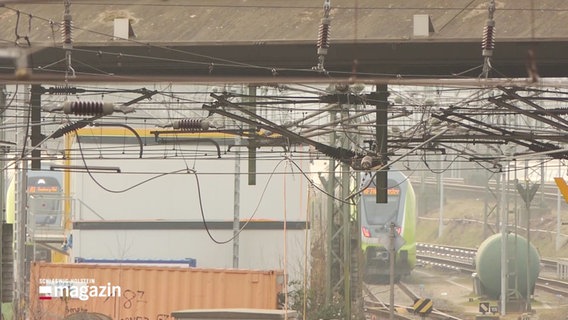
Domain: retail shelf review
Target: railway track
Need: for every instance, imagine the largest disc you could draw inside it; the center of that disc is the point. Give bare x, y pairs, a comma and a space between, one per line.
462, 259
548, 190
380, 309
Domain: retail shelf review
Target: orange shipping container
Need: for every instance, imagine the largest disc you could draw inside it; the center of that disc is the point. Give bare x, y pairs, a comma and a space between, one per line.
145, 293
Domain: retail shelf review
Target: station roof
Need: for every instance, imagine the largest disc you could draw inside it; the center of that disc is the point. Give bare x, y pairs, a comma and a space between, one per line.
177, 39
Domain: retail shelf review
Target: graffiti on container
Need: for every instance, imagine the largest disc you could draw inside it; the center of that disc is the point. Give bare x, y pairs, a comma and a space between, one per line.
74, 310
130, 297
128, 300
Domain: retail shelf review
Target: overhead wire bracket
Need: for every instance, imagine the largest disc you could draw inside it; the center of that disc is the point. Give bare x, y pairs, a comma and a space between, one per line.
343, 155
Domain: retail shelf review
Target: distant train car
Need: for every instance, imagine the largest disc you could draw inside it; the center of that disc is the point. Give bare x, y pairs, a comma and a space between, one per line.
44, 202
45, 205
376, 219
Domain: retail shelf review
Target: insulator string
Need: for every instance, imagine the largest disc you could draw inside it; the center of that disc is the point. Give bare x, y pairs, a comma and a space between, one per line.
323, 37
88, 108
67, 38
488, 40
191, 124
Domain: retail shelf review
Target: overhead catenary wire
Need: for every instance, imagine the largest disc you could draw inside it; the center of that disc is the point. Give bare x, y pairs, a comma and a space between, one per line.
425, 112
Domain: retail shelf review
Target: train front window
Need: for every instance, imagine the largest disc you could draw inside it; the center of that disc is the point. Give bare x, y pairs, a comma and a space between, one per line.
44, 202
381, 213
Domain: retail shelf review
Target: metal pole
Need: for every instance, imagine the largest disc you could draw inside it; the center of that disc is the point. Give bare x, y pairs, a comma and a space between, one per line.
502, 202
441, 185
236, 203
36, 136
381, 138
330, 224
542, 173
486, 208
423, 208
2, 199
391, 272
504, 266
528, 206
346, 213
558, 208
20, 227
252, 149
21, 239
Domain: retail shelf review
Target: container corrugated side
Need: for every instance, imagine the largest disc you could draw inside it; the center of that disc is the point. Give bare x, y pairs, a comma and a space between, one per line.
150, 293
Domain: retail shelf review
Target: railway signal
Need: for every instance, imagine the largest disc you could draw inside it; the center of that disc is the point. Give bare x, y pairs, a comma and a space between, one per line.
484, 308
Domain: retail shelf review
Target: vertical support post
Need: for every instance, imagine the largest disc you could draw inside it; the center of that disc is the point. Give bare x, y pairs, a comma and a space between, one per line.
331, 264
441, 185
542, 173
528, 208
381, 137
504, 258
558, 209
346, 213
486, 210
20, 227
528, 193
68, 140
392, 257
490, 207
252, 149
501, 207
20, 274
36, 137
237, 203
2, 199
338, 267
423, 207
357, 258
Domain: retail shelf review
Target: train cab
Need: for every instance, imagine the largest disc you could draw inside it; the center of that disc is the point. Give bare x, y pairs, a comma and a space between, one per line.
376, 220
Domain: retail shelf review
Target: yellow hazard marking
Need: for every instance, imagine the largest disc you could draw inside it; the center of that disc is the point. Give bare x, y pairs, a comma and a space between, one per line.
426, 307
423, 306
562, 186
418, 303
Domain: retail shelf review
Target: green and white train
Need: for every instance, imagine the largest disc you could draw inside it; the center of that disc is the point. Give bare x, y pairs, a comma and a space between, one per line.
376, 219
